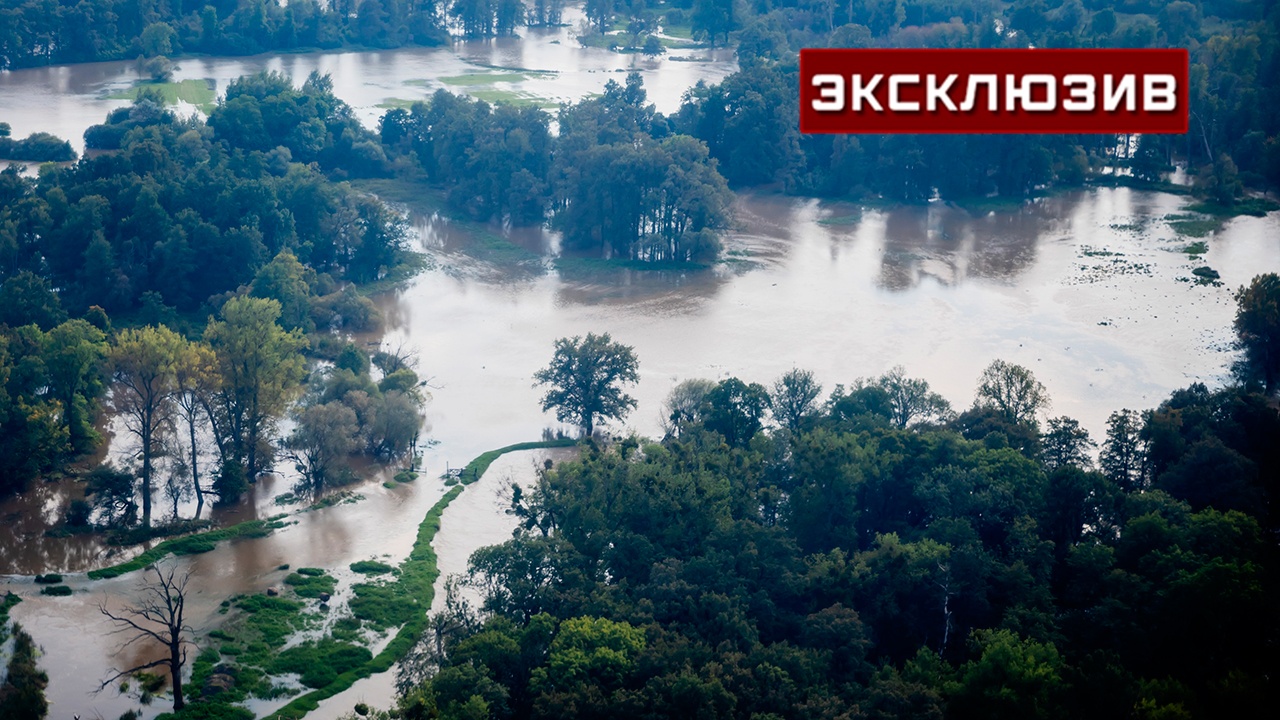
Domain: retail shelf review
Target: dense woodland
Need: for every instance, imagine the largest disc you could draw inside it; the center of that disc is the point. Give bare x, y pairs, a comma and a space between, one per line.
879, 555
106, 284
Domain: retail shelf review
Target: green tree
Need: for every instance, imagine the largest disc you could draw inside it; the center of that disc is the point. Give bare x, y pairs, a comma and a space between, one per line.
143, 369
794, 397
1012, 678
73, 355
1012, 391
586, 376
326, 433
1257, 326
1122, 458
196, 382
1066, 444
259, 365
911, 399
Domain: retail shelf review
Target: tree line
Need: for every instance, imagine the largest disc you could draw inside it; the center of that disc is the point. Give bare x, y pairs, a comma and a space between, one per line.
749, 120
52, 32
880, 554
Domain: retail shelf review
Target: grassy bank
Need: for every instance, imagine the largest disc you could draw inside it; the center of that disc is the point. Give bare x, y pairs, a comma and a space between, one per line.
190, 545
414, 587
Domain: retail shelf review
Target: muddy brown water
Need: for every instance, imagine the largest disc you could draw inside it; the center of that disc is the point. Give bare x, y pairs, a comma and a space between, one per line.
1089, 289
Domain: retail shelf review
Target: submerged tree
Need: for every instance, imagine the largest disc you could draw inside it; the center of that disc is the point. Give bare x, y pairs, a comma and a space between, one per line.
259, 366
158, 616
1257, 325
586, 377
143, 364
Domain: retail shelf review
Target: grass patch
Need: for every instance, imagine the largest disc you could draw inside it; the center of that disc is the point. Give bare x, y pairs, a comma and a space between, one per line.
397, 103
371, 567
50, 579
345, 497
311, 586
200, 93
476, 79
1190, 225
1198, 247
320, 663
56, 591
190, 545
1253, 206
405, 476
476, 468
516, 98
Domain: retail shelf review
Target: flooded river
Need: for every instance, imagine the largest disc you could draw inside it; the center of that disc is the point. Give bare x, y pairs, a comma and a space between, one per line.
1089, 289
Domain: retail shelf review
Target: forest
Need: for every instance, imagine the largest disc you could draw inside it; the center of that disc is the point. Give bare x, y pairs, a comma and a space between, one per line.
878, 554
107, 298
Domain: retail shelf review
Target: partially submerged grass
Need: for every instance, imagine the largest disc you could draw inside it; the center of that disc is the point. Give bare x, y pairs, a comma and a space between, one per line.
474, 79
200, 93
56, 590
1193, 225
190, 545
409, 597
517, 98
309, 585
371, 567
1253, 206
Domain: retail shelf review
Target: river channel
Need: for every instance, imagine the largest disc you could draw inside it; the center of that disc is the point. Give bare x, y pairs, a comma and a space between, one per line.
1092, 290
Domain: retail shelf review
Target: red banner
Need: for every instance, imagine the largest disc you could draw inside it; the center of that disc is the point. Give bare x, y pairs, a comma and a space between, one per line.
993, 91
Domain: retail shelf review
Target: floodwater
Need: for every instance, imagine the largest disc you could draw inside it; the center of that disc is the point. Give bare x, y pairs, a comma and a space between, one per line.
1089, 289
66, 99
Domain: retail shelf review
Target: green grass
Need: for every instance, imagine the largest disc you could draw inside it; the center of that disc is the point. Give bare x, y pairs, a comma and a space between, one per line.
371, 567
475, 79
1253, 206
311, 586
1198, 247
50, 579
476, 468
56, 591
200, 93
1191, 225
411, 594
516, 98
397, 103
190, 545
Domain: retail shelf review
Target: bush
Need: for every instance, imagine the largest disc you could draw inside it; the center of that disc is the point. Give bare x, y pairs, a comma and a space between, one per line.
50, 579
56, 591
370, 567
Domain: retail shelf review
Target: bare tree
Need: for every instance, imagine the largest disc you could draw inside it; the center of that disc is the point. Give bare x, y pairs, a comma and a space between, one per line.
157, 616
